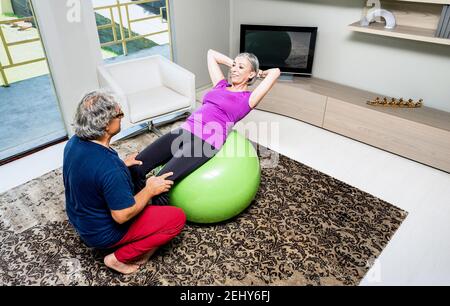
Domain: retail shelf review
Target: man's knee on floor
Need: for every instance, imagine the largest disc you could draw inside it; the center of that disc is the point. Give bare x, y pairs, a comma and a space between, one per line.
179, 219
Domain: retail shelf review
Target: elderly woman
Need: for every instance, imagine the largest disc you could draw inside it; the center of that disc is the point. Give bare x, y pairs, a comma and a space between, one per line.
204, 132
101, 201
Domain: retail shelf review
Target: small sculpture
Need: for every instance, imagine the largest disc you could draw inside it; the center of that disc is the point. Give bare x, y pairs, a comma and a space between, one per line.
396, 103
377, 12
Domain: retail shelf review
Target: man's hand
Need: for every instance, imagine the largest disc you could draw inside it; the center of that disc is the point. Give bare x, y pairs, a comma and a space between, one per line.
131, 160
153, 187
159, 184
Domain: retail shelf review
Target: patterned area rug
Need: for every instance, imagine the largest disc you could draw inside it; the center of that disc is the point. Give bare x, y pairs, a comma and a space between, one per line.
303, 228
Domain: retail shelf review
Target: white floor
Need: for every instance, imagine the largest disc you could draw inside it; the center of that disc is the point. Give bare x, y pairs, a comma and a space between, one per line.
419, 252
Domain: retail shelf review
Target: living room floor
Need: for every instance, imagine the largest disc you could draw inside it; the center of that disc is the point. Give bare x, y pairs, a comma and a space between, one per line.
418, 252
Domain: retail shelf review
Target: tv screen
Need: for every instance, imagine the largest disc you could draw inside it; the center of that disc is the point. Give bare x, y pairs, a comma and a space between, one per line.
289, 48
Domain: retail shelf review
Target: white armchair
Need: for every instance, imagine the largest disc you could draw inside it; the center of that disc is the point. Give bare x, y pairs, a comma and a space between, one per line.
148, 88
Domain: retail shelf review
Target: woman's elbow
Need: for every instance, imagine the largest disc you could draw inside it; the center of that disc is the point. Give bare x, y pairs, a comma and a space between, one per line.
274, 73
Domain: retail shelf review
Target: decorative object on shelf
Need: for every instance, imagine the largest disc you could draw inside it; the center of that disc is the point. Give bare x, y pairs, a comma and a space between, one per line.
396, 102
377, 12
415, 20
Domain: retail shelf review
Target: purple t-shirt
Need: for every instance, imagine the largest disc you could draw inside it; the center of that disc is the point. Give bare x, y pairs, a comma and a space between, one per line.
221, 109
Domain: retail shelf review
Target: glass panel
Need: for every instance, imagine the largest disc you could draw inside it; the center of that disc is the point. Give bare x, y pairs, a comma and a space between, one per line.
29, 112
132, 28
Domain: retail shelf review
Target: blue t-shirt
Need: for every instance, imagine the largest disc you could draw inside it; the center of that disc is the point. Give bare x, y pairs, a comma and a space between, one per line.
96, 181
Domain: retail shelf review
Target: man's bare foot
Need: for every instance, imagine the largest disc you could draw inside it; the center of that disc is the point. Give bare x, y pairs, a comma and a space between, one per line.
112, 262
144, 258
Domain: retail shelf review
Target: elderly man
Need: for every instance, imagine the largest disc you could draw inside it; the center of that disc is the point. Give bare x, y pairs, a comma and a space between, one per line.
102, 203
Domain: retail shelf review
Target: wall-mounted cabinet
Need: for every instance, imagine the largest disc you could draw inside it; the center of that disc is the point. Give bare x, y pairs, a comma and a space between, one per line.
421, 134
416, 20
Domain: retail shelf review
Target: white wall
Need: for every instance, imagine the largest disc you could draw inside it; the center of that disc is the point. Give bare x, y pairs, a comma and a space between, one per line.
199, 25
388, 66
73, 51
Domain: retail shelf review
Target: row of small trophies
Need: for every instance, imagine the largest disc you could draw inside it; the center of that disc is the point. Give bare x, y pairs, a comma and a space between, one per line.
396, 102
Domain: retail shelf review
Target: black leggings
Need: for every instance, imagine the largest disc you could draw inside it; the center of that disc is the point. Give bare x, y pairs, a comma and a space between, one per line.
181, 151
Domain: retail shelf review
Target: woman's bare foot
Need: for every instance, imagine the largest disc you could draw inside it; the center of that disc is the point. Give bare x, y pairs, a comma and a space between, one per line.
144, 259
112, 262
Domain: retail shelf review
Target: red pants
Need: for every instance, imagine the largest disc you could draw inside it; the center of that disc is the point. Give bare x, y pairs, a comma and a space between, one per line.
153, 227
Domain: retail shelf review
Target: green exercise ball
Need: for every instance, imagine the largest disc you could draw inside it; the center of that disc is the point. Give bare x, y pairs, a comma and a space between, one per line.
222, 187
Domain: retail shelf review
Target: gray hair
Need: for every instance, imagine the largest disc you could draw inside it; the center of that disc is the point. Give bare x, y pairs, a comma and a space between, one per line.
254, 62
93, 115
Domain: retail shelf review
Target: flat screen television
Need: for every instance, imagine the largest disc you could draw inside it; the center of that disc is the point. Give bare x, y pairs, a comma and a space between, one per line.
289, 48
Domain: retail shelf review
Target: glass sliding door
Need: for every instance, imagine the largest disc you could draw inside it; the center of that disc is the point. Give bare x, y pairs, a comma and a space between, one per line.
130, 29
29, 114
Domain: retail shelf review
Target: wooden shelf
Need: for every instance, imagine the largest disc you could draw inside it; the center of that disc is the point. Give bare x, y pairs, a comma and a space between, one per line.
401, 31
301, 89
421, 134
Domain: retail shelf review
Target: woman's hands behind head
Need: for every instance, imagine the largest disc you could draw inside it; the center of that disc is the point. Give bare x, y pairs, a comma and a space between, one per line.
262, 73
